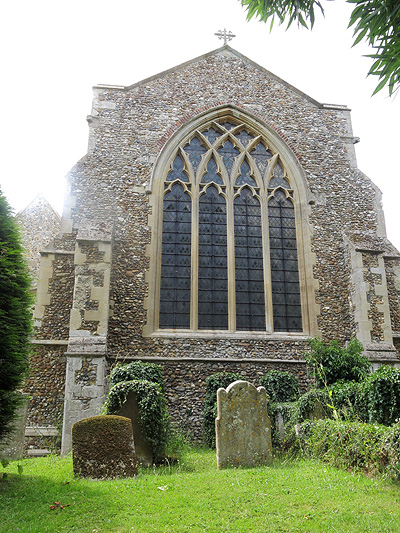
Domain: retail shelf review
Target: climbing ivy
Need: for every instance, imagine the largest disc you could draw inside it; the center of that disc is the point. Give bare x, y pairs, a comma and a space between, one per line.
281, 386
153, 414
146, 380
213, 383
137, 370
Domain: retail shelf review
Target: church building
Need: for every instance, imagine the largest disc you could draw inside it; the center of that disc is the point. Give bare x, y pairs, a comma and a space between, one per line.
217, 222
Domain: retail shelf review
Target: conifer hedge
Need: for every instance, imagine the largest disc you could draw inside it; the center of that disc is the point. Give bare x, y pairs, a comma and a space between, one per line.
15, 317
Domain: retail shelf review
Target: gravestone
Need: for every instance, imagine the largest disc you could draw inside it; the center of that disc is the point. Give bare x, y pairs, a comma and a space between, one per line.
243, 427
13, 449
102, 447
130, 409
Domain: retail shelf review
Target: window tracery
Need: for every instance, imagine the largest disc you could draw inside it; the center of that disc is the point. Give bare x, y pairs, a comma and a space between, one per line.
229, 249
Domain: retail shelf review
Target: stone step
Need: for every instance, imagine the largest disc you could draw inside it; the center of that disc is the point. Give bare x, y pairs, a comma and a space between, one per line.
38, 453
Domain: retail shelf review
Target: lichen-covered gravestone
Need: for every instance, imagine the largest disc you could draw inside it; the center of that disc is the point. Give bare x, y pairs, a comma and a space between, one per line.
102, 447
243, 427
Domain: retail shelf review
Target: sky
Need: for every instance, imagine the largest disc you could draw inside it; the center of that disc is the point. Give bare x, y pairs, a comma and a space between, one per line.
55, 52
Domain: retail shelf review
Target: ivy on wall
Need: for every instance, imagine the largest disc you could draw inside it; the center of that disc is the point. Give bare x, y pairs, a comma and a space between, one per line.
145, 380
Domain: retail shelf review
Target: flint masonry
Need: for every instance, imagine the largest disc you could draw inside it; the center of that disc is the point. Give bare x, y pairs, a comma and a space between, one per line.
217, 221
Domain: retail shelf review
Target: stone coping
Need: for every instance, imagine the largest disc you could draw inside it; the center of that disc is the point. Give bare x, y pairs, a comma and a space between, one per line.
210, 359
50, 342
41, 431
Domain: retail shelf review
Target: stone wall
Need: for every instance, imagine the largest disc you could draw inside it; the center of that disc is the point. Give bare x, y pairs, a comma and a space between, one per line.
185, 383
46, 385
116, 186
39, 225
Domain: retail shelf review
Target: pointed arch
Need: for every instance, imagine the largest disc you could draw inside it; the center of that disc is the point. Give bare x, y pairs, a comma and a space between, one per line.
242, 168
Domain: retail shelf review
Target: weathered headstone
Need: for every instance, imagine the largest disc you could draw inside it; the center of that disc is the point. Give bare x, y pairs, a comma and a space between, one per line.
243, 427
14, 447
130, 409
102, 447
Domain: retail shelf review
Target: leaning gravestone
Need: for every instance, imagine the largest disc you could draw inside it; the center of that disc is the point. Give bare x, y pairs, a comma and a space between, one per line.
102, 447
130, 409
243, 427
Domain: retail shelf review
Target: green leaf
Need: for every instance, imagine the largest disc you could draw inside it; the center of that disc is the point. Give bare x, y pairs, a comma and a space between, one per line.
381, 85
360, 36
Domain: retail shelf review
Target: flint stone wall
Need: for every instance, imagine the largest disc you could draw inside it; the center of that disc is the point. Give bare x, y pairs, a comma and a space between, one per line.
185, 385
129, 126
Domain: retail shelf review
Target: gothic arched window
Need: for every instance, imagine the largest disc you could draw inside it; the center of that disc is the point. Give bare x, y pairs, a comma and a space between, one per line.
229, 249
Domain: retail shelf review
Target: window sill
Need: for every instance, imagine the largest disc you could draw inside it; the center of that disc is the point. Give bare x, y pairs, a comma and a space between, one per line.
240, 335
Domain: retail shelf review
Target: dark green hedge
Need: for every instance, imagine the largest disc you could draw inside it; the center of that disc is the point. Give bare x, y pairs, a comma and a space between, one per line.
146, 380
15, 317
374, 400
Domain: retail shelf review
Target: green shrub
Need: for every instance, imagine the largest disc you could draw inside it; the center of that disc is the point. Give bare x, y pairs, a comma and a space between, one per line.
280, 386
350, 399
383, 394
153, 414
374, 400
288, 411
145, 379
350, 445
213, 383
314, 404
137, 370
332, 362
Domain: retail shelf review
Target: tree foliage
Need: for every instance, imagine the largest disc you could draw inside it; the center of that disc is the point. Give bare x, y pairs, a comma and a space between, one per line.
375, 21
15, 316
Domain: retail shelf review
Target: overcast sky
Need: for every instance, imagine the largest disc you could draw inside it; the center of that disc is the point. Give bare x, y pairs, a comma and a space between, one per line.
54, 52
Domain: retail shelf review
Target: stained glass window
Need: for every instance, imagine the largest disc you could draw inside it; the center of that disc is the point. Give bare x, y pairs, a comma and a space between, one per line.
228, 153
217, 216
212, 173
261, 156
195, 150
177, 170
245, 176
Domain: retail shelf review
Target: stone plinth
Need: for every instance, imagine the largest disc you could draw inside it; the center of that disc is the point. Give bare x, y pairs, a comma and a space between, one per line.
102, 447
243, 427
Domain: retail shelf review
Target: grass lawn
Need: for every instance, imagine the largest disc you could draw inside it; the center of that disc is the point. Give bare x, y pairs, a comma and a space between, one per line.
195, 496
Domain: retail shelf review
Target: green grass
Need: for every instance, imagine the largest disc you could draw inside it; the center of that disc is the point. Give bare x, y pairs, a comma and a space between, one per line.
194, 496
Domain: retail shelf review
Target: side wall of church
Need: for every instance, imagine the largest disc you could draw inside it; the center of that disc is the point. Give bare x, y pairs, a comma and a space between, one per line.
112, 184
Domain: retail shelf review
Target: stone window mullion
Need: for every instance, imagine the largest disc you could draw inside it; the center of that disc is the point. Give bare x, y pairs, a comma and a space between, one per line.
194, 302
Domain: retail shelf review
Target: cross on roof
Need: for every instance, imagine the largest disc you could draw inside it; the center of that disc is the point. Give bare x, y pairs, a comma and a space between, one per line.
225, 35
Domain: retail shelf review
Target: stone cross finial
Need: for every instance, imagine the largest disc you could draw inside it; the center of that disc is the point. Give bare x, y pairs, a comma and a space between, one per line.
225, 35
